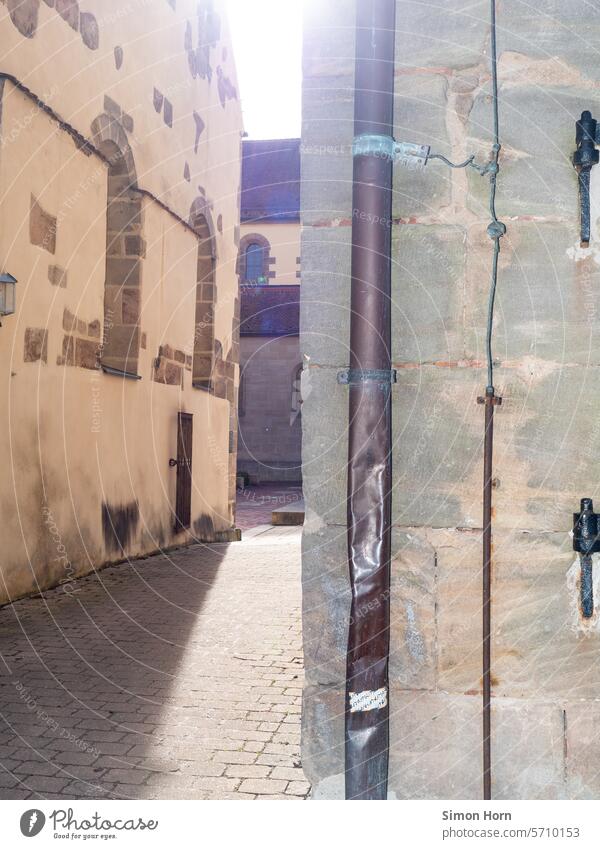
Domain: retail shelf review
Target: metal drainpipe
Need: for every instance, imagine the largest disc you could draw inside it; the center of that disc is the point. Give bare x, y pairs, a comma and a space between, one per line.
370, 379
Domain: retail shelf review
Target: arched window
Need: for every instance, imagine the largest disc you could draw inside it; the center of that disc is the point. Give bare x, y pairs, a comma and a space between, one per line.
124, 252
255, 263
242, 394
203, 376
296, 394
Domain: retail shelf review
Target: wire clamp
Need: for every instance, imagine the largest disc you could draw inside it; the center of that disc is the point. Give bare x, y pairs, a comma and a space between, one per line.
355, 376
496, 229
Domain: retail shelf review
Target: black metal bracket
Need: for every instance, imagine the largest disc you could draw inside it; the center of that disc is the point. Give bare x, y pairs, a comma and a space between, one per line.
584, 159
586, 540
490, 398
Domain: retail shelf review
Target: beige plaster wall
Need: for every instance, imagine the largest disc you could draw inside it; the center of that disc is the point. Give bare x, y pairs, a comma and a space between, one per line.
76, 441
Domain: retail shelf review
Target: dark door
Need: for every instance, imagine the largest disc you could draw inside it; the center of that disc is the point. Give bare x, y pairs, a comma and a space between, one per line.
183, 507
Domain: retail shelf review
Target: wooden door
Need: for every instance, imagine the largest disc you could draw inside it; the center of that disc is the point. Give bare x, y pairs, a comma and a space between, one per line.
183, 506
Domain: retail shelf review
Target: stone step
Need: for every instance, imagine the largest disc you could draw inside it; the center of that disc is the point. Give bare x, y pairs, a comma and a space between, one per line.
289, 516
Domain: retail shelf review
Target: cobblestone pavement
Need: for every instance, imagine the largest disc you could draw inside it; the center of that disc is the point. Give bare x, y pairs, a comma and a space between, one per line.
177, 677
255, 504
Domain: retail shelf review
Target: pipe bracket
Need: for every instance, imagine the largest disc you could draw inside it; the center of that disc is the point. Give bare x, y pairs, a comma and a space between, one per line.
411, 156
352, 376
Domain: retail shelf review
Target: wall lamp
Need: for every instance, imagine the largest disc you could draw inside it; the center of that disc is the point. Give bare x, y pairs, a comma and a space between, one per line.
7, 294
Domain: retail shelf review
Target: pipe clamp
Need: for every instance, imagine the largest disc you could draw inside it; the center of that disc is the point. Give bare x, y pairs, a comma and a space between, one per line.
352, 376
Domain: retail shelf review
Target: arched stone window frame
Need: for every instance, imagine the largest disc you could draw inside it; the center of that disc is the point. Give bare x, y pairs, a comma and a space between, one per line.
242, 394
297, 388
247, 241
203, 358
119, 353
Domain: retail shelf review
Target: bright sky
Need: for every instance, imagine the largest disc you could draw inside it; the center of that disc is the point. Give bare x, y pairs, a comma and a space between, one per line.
267, 44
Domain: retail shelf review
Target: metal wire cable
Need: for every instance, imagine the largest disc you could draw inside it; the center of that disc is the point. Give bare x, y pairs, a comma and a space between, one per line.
464, 164
468, 163
496, 228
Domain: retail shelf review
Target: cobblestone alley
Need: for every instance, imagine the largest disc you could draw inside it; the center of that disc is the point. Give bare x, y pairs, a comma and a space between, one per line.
174, 677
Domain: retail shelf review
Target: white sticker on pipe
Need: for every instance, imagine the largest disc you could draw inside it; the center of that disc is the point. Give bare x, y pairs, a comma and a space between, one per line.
368, 700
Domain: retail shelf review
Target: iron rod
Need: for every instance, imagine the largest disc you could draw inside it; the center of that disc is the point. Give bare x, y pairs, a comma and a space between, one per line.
496, 231
490, 401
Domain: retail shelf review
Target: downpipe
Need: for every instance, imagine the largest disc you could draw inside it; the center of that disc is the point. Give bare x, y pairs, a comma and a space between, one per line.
370, 380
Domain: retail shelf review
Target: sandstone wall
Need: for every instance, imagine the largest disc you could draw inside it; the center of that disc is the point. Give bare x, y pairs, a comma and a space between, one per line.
545, 738
270, 419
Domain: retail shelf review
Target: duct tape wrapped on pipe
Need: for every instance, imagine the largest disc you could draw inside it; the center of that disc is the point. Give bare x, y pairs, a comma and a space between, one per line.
368, 700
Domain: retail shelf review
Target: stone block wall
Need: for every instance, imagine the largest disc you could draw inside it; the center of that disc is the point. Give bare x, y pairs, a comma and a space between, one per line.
545, 679
269, 414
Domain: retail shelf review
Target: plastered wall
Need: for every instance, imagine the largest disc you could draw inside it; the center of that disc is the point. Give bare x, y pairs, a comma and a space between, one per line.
86, 454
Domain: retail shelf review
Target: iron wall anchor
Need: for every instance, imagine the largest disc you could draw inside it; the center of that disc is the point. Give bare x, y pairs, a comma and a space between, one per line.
584, 159
586, 541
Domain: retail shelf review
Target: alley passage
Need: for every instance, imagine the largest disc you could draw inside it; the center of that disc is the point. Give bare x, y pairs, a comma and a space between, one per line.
174, 677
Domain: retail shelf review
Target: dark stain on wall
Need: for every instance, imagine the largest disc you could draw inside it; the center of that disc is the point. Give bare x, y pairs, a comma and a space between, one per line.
157, 99
36, 345
118, 57
209, 32
227, 91
57, 276
119, 525
161, 104
90, 33
168, 113
204, 529
24, 15
200, 125
42, 227
69, 12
